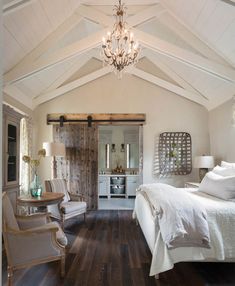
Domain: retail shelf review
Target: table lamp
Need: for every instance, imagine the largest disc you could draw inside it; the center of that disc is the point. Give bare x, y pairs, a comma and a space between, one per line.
54, 150
203, 163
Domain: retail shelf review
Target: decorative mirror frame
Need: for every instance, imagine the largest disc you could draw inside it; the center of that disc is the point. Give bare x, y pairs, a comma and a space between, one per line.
175, 153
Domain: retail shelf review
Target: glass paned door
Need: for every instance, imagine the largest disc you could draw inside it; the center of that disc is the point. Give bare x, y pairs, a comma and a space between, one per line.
12, 153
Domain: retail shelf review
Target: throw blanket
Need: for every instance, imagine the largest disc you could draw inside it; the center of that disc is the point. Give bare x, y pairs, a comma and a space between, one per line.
182, 220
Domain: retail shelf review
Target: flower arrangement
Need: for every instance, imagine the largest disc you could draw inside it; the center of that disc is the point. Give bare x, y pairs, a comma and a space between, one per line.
35, 186
34, 163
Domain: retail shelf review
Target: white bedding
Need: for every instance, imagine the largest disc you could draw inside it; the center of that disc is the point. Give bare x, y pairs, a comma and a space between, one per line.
182, 219
221, 221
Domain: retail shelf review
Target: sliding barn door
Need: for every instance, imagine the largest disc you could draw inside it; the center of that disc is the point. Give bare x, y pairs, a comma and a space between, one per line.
80, 166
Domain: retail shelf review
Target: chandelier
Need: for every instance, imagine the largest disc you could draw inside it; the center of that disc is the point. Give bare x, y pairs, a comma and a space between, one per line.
119, 49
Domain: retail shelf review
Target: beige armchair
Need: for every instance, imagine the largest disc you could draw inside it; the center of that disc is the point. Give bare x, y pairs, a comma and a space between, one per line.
31, 240
72, 204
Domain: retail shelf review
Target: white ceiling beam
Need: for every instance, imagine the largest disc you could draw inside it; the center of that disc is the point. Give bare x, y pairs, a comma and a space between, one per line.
196, 61
70, 86
81, 61
18, 95
154, 43
169, 86
193, 31
61, 55
157, 60
44, 46
145, 15
186, 35
15, 5
95, 15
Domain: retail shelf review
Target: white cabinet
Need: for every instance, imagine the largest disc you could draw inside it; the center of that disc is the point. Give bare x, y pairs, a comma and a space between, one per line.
132, 183
118, 186
104, 185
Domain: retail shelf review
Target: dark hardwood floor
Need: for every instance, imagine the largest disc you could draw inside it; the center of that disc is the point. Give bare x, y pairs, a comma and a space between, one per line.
110, 250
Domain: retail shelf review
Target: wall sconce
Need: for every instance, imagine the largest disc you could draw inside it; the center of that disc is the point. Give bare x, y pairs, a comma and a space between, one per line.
122, 147
113, 148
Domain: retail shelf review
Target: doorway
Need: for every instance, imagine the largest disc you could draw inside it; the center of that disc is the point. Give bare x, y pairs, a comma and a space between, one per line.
119, 165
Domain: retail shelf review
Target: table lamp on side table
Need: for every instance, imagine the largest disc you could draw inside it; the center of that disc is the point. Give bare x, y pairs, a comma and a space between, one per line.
203, 163
54, 149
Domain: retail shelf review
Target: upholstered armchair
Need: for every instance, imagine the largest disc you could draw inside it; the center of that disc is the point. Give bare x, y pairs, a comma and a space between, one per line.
72, 205
31, 240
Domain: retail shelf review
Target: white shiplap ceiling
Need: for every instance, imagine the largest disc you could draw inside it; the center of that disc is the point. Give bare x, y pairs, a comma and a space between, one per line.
53, 46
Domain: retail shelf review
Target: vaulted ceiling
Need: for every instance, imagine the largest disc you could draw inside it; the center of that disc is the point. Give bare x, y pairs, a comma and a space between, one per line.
53, 46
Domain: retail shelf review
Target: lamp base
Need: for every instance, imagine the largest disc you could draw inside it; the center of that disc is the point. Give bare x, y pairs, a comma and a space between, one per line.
202, 173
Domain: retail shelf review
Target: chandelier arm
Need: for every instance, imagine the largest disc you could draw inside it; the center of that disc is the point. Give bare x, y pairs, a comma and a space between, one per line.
119, 48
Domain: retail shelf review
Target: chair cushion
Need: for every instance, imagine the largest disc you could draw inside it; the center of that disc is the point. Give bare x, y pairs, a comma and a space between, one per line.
8, 213
59, 186
73, 206
60, 236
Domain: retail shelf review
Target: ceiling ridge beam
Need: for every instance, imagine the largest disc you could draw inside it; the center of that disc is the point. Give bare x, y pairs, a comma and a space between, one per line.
211, 46
61, 55
101, 18
49, 41
190, 38
127, 2
70, 86
157, 61
198, 62
169, 86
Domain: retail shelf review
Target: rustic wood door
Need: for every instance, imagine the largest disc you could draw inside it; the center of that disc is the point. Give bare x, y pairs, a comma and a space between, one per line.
80, 166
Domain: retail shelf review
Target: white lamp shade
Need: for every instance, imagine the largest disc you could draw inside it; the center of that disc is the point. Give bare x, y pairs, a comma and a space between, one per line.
54, 149
204, 162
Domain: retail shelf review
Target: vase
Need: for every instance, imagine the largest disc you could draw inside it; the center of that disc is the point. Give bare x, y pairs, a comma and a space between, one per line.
36, 187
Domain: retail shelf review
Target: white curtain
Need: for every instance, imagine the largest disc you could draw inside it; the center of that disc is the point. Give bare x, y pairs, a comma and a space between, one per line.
25, 149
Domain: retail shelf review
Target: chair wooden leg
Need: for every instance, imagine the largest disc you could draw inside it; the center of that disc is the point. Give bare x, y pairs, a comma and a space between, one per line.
9, 276
84, 217
62, 223
62, 271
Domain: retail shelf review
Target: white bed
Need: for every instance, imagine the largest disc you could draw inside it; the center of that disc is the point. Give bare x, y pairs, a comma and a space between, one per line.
221, 221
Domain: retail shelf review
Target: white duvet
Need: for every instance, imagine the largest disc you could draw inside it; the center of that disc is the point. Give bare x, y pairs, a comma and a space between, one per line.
182, 219
221, 222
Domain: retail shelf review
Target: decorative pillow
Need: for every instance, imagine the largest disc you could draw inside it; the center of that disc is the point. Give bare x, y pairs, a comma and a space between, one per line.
218, 186
227, 164
225, 172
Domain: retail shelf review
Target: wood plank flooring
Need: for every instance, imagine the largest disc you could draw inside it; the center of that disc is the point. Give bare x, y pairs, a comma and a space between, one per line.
110, 250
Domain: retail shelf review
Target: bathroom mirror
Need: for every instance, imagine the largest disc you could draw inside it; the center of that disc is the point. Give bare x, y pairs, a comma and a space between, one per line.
118, 148
104, 156
132, 156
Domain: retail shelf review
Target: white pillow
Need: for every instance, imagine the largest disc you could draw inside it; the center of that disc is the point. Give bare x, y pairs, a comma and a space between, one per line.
218, 186
227, 164
225, 172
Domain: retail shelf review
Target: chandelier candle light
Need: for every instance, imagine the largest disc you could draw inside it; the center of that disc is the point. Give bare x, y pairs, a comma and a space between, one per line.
119, 49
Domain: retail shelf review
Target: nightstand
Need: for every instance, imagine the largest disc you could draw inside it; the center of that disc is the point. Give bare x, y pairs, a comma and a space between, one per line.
191, 185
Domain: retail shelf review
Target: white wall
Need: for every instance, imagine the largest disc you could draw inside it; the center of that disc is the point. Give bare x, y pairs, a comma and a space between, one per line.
222, 134
165, 111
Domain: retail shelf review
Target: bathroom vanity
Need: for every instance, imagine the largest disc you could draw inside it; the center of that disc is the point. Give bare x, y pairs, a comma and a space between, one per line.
113, 185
